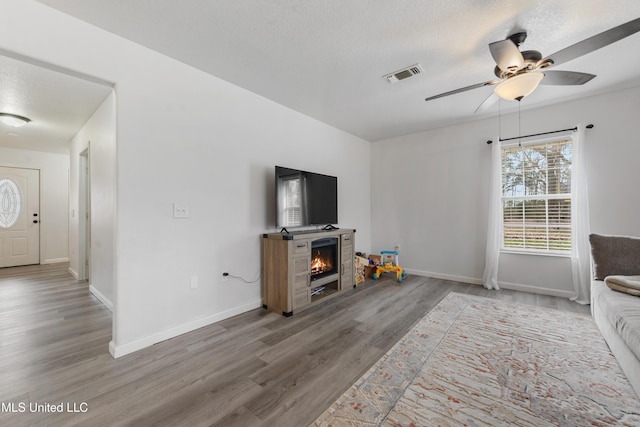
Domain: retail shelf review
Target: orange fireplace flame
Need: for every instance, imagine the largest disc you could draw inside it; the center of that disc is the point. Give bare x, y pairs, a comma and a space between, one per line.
320, 265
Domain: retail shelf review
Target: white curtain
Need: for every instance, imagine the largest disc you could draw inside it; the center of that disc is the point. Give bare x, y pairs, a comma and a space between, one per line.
494, 229
580, 248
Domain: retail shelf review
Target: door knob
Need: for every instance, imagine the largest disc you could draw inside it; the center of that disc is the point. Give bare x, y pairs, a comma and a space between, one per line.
35, 221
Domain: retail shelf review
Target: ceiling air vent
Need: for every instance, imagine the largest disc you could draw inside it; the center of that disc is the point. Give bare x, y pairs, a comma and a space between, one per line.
404, 73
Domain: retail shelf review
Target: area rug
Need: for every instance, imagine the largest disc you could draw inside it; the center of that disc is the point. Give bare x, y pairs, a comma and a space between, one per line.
474, 361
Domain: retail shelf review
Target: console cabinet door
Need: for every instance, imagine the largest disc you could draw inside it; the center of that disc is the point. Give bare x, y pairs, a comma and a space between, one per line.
347, 277
301, 280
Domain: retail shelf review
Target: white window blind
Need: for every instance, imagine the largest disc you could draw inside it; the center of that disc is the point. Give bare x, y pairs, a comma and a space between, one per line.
291, 193
536, 196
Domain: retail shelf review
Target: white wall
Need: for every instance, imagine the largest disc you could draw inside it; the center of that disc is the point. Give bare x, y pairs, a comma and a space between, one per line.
431, 191
54, 198
186, 137
99, 135
211, 147
428, 198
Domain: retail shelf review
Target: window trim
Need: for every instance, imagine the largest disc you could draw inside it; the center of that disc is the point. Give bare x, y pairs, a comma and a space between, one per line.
535, 251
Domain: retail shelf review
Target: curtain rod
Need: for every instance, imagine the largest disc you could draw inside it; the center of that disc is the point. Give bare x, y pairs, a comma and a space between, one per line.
589, 126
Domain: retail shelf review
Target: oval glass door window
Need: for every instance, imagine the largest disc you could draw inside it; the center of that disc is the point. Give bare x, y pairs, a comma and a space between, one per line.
10, 203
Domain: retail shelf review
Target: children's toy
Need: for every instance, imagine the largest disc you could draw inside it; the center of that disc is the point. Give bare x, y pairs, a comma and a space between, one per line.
390, 263
360, 264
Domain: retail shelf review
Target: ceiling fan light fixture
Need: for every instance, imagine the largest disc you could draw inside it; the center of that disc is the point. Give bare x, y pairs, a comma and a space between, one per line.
517, 87
13, 120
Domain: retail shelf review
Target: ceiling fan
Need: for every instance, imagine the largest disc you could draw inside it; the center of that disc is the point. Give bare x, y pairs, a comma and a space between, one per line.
519, 73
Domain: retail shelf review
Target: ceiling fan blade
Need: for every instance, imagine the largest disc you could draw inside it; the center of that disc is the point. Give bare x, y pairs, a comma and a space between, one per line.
554, 77
507, 55
491, 99
596, 42
462, 89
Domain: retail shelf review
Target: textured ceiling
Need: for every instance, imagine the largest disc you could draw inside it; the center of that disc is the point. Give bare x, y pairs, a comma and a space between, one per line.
326, 58
57, 103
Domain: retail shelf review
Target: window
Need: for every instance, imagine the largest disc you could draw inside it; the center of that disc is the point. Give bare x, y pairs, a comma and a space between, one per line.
291, 193
536, 197
10, 203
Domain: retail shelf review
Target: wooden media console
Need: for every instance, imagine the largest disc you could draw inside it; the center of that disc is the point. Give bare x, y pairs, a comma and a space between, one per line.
303, 268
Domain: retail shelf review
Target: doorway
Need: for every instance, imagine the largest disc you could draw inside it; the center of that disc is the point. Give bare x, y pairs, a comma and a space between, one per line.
19, 216
84, 216
53, 134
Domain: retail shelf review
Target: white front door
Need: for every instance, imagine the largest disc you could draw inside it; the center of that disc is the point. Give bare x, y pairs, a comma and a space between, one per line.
19, 216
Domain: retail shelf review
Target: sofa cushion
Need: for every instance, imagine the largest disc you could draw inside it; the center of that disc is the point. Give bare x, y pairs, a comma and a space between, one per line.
614, 255
622, 312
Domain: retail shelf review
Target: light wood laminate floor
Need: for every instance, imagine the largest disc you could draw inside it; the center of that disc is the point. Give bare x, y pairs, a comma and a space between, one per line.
255, 369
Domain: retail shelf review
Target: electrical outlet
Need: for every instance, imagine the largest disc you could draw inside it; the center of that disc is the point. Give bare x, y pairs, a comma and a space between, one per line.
180, 211
194, 282
225, 277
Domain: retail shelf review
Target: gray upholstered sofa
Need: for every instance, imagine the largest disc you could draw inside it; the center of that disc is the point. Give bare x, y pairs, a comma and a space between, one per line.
617, 313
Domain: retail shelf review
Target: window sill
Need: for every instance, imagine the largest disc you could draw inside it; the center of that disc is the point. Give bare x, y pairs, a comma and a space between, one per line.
536, 253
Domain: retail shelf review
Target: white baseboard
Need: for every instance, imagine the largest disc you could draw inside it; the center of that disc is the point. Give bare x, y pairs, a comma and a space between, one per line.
502, 285
124, 349
536, 290
112, 349
453, 278
74, 273
54, 260
104, 300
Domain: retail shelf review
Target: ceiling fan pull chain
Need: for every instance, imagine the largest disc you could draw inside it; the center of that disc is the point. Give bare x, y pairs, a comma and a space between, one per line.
499, 118
519, 127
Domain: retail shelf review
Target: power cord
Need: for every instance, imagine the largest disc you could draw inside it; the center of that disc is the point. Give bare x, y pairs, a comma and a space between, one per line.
241, 278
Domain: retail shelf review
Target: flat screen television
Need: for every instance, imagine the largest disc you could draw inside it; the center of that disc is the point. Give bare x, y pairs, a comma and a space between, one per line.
305, 198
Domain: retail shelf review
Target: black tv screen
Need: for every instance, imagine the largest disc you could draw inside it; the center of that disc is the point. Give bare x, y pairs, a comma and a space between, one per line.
305, 198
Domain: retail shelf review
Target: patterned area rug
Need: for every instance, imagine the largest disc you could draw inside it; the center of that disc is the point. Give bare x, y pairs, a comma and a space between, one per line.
475, 361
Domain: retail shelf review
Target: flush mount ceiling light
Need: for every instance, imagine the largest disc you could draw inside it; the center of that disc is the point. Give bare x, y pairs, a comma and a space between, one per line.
517, 87
13, 120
